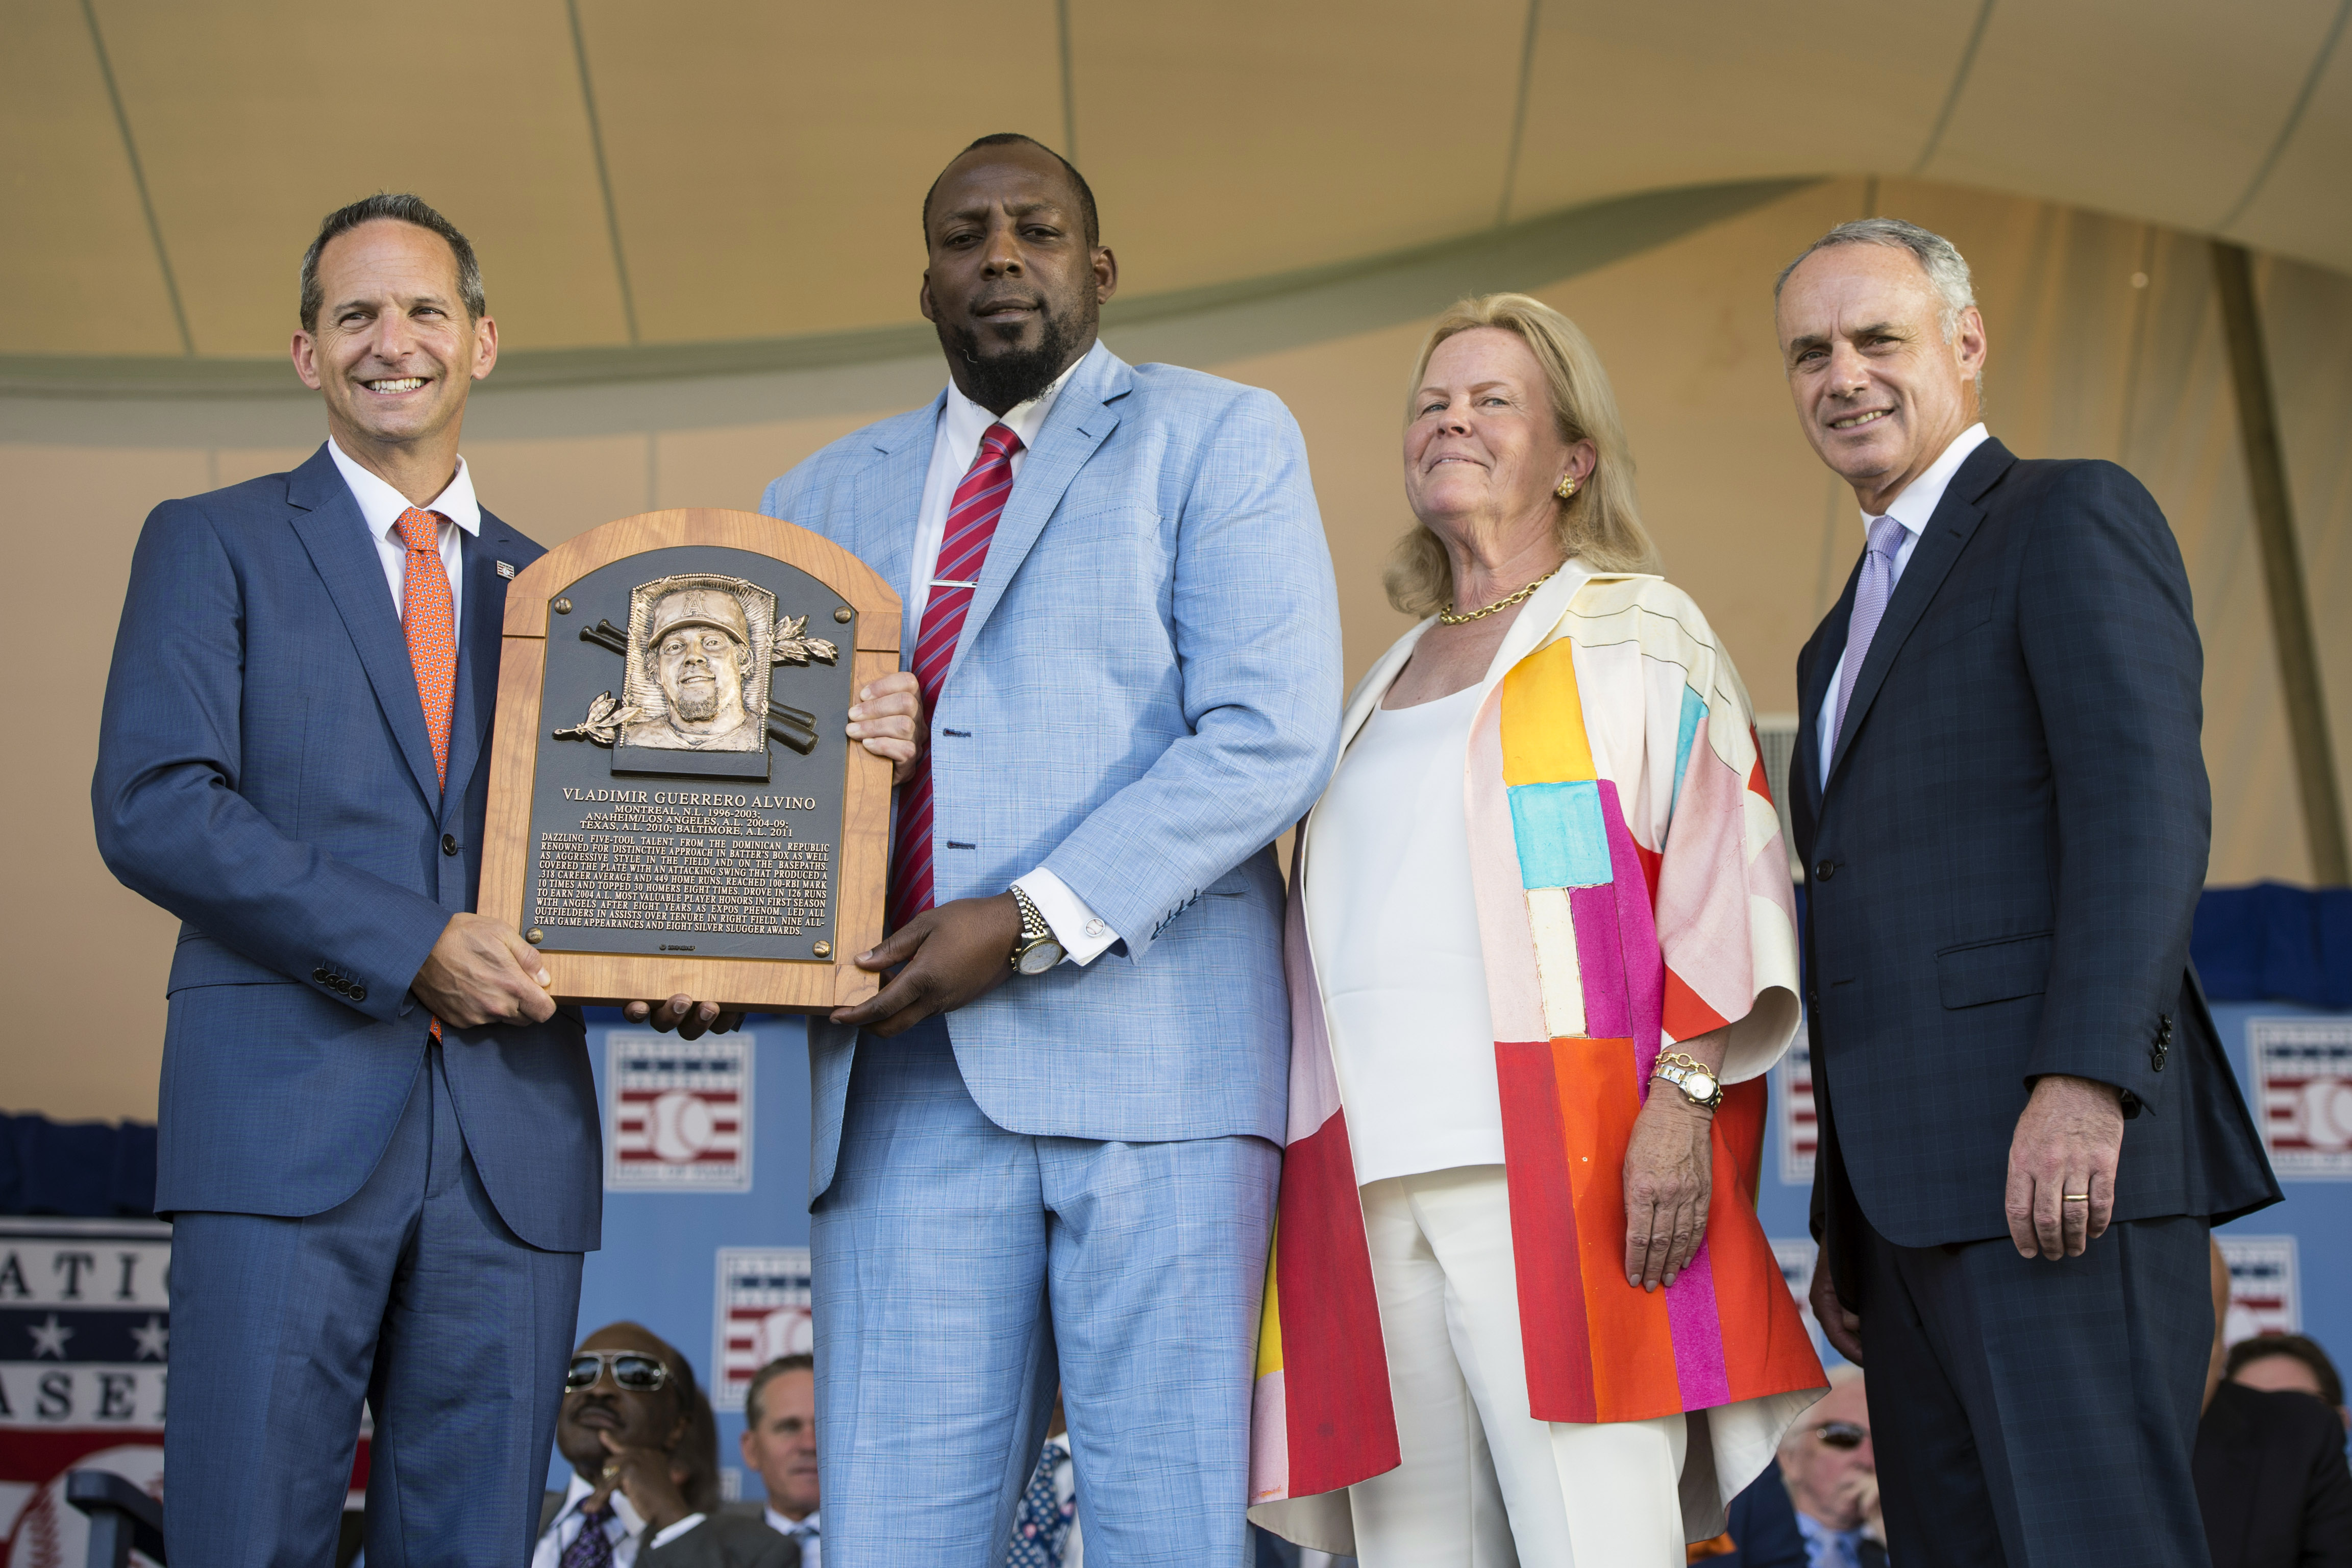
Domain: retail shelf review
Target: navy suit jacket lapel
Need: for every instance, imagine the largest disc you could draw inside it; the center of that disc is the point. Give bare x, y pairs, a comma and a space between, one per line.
484, 616
329, 523
1940, 543
1083, 415
888, 507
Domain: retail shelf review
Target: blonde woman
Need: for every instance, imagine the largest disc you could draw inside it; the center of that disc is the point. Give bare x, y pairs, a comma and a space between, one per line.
1542, 947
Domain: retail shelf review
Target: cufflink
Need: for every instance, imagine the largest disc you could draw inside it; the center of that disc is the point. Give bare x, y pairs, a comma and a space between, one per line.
1097, 928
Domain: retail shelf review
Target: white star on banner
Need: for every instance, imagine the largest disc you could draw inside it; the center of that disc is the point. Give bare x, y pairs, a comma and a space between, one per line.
152, 1339
49, 1338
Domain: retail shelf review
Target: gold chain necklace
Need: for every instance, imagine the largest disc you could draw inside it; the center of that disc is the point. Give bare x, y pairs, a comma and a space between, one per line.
1463, 618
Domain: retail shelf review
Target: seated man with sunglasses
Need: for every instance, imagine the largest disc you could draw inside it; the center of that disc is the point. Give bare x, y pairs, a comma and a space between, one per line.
1832, 1478
645, 1461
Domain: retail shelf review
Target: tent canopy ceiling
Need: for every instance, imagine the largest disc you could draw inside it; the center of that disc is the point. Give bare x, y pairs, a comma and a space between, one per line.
643, 175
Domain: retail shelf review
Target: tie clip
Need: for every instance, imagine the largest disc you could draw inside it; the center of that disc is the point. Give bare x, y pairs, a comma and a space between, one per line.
948, 582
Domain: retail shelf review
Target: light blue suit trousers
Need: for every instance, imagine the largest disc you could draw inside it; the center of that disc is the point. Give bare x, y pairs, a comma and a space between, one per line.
962, 1271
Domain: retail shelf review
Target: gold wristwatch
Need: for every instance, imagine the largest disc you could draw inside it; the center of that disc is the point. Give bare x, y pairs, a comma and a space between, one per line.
1693, 1077
1037, 949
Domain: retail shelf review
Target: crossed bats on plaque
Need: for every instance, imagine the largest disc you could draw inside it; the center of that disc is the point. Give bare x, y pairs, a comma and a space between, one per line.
698, 652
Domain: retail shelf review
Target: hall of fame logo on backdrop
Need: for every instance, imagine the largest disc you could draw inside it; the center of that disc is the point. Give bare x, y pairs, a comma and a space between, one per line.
679, 1112
2303, 1093
85, 1347
2266, 1286
1794, 1132
762, 1313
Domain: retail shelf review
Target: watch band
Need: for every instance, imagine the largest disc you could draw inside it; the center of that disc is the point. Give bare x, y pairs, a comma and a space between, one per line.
1685, 1071
1035, 931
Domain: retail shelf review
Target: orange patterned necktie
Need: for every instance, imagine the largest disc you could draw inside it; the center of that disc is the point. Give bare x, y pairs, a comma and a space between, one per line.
429, 617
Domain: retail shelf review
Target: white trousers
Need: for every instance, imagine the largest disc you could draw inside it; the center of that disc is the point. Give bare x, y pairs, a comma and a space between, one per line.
1484, 1484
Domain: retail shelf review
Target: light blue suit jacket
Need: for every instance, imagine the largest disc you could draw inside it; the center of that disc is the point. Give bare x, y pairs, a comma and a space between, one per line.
264, 773
1145, 695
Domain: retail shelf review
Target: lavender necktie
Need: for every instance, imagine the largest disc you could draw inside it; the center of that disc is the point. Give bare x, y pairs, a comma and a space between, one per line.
1870, 597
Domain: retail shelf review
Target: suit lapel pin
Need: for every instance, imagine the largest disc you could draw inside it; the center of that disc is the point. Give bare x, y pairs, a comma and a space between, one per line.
506, 568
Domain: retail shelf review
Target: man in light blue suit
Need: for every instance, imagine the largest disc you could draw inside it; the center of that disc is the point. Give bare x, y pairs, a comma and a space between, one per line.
1045, 1152
379, 1139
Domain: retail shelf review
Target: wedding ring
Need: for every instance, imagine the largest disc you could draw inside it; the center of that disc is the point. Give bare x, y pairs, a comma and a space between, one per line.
2073, 1198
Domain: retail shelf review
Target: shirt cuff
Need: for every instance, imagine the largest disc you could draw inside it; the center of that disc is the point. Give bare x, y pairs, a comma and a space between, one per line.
675, 1531
1084, 935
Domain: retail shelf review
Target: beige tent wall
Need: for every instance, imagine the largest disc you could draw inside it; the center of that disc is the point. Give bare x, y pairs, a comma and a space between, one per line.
2084, 363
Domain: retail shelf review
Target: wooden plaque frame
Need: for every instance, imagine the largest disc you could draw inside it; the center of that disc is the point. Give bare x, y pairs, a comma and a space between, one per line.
610, 980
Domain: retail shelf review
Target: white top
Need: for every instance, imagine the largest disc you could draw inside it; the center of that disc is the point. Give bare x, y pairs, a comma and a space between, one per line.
1084, 935
626, 1528
806, 1533
1396, 944
1912, 508
382, 504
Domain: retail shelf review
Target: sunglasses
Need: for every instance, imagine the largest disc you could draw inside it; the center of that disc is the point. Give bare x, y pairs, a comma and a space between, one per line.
1841, 1434
633, 1370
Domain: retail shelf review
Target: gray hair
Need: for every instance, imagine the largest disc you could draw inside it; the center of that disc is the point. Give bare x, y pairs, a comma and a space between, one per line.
400, 207
1939, 258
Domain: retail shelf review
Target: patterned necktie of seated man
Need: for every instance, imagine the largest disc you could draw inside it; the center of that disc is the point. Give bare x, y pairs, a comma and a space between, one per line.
428, 618
1042, 1526
593, 1547
963, 549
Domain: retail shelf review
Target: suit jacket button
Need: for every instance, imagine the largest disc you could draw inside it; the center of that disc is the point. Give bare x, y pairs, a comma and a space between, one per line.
1824, 870
320, 974
358, 993
448, 844
2156, 1059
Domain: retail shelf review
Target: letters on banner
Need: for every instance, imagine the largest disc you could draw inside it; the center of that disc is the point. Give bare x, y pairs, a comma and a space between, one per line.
679, 1112
85, 1358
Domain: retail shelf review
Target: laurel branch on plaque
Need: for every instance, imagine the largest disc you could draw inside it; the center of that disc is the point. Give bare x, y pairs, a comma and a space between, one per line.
698, 652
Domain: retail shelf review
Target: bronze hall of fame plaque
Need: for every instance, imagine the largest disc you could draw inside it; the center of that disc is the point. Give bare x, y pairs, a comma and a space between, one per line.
674, 807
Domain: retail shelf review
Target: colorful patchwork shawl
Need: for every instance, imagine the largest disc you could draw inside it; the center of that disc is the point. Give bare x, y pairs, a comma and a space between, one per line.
1632, 887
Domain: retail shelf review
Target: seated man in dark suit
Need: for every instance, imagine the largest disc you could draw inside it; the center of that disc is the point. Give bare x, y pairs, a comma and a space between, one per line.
644, 1460
2270, 1476
2288, 1363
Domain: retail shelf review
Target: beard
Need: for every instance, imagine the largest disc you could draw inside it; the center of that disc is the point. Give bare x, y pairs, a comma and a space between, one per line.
698, 702
1009, 377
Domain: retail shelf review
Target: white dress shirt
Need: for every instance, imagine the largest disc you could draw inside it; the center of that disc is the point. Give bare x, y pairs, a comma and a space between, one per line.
1084, 935
382, 504
806, 1535
626, 1528
1912, 508
1395, 920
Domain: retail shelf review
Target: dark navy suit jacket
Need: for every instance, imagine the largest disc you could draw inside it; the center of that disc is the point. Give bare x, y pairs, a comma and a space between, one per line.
264, 773
2003, 868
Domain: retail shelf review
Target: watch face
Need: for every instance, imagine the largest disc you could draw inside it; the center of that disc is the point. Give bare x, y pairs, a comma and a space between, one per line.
1700, 1085
1041, 957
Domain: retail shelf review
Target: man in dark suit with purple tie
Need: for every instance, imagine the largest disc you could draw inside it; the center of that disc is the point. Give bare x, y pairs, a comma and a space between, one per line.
2027, 1124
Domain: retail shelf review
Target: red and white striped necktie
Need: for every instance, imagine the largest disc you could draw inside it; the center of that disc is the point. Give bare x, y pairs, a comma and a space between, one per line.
971, 523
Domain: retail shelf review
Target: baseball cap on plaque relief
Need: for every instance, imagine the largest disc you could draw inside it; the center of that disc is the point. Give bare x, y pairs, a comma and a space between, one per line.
674, 807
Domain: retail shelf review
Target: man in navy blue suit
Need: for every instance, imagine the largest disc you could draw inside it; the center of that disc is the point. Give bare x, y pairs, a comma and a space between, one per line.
2027, 1122
378, 1132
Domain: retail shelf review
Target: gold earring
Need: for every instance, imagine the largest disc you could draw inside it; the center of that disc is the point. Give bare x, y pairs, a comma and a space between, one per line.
1567, 487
